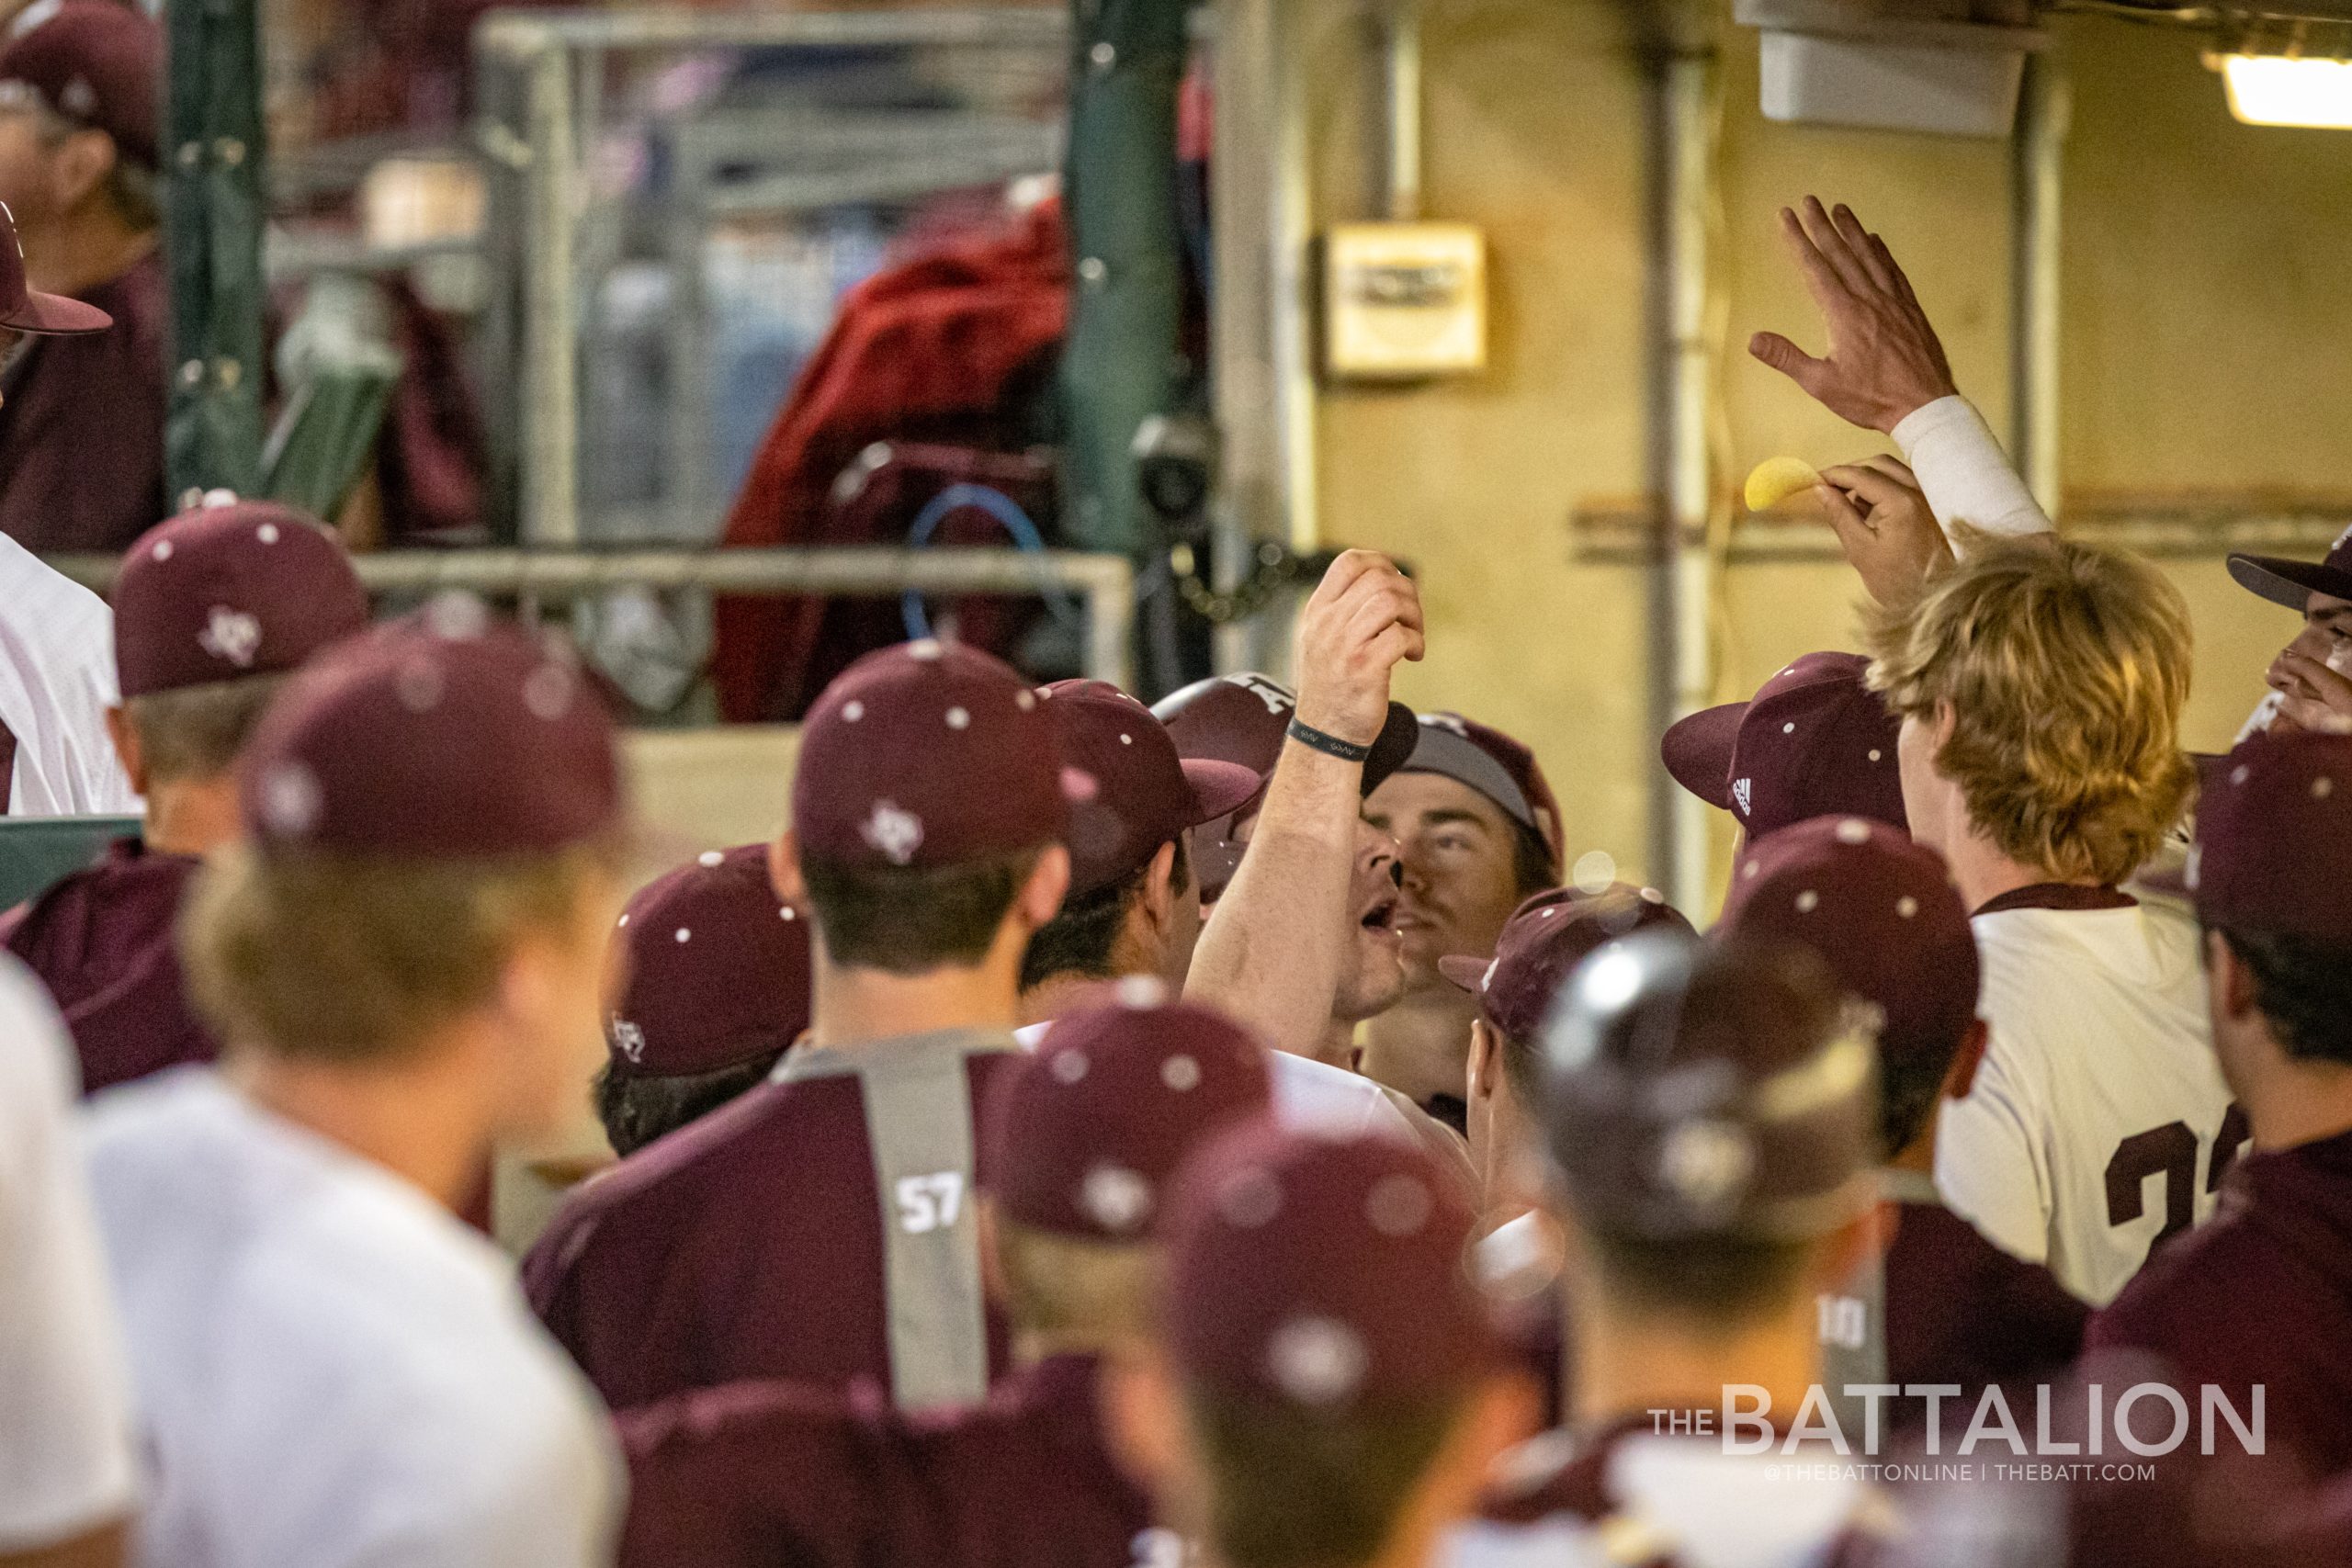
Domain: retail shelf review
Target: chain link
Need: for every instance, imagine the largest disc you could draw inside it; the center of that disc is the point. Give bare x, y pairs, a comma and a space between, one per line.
1273, 568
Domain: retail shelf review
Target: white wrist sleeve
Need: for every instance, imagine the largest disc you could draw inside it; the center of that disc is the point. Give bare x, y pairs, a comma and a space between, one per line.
1963, 472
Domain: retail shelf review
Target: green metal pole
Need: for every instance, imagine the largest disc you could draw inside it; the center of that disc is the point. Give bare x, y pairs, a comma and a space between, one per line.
1119, 192
212, 235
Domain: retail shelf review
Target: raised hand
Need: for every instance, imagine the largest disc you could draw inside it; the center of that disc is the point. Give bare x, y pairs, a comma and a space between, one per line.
1363, 619
2315, 697
1884, 360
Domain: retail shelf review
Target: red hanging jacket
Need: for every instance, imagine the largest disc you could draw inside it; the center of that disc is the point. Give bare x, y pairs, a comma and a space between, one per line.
950, 346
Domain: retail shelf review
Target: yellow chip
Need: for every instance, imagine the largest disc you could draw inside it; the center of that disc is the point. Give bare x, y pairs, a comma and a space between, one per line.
1777, 478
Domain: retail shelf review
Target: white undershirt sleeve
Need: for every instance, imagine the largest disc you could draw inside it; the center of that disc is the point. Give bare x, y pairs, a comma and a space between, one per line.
1965, 475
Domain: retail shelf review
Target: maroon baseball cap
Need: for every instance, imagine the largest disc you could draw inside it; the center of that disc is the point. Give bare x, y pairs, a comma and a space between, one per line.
2292, 582
1545, 938
226, 591
23, 308
719, 970
1482, 758
1084, 1135
455, 737
1243, 719
1880, 911
2274, 839
1813, 742
96, 62
930, 754
1697, 1088
1144, 795
1321, 1274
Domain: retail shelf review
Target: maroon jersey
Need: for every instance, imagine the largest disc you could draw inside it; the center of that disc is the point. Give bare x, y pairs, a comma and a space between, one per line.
1960, 1310
817, 1229
82, 426
2261, 1293
102, 941
767, 1473
1940, 1305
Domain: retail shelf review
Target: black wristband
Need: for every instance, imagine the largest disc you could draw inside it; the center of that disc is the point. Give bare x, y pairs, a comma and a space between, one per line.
1329, 745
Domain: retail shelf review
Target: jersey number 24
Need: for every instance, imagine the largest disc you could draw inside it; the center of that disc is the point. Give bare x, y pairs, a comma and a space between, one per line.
2169, 1151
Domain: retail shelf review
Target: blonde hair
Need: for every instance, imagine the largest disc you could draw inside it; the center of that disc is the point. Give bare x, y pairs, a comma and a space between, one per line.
1060, 1285
2065, 667
197, 732
358, 958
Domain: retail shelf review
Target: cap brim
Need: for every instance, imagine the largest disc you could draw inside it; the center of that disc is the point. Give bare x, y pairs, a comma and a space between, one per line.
1399, 738
2289, 582
1219, 789
1466, 971
1697, 751
54, 315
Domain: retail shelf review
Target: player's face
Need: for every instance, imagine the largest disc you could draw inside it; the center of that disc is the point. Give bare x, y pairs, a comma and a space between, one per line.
1372, 968
2326, 638
1927, 796
554, 1011
1460, 881
25, 172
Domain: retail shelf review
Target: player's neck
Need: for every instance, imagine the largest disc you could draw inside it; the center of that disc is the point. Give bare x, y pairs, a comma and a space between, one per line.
853, 1006
1428, 1022
1056, 994
2294, 1103
425, 1117
192, 817
1983, 871
83, 250
1919, 1156
1630, 1360
1337, 1048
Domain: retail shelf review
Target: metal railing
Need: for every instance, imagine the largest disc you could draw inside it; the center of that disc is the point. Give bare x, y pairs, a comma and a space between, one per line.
1105, 582
540, 75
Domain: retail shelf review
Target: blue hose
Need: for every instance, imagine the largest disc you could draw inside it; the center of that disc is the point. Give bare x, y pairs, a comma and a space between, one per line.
1008, 514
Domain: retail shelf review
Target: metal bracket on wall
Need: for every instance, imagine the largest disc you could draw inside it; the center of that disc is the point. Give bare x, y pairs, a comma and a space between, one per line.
1628, 536
213, 246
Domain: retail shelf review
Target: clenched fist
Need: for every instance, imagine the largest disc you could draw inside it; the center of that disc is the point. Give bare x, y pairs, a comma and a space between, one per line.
1363, 617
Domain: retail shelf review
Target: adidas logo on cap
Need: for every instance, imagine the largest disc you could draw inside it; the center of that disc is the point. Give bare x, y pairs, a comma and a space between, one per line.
1740, 789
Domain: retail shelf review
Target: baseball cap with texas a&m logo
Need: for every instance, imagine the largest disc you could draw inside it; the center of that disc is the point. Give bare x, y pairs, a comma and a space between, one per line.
228, 590
930, 754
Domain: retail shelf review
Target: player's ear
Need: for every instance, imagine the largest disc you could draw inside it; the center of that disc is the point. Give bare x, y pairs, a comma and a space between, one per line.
1944, 721
1143, 1421
1961, 1077
2227, 980
1041, 895
1504, 1411
83, 161
783, 870
1158, 887
1839, 1255
125, 736
1485, 1060
992, 1280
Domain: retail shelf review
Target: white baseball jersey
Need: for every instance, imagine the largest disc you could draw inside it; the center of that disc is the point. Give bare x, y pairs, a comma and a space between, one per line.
330, 1369
56, 683
2098, 1122
65, 1426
